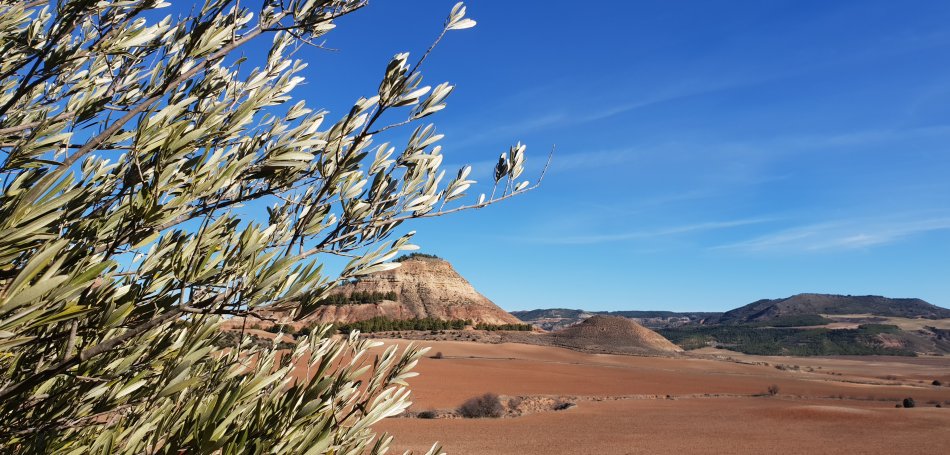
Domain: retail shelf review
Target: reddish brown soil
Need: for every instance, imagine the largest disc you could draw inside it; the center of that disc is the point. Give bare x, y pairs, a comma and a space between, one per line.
732, 425
715, 406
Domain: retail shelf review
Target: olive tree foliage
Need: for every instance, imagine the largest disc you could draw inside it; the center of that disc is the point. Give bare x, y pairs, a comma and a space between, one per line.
135, 152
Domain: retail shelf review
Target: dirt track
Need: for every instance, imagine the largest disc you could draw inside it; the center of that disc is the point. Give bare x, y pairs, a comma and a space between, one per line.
715, 406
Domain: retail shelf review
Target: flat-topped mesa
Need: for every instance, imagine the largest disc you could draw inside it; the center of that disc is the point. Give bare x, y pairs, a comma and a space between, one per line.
422, 287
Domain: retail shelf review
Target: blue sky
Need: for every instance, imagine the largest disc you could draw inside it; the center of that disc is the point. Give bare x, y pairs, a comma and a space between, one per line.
709, 154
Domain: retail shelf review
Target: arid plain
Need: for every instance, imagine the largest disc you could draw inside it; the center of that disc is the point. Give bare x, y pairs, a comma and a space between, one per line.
707, 401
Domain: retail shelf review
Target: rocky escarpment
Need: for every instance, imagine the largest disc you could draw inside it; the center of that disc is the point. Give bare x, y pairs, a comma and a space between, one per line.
423, 287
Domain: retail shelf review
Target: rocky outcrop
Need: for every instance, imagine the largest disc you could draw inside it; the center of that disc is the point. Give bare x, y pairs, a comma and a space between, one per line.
424, 288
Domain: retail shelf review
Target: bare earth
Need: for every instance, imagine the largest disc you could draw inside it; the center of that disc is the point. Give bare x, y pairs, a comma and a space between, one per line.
903, 323
697, 403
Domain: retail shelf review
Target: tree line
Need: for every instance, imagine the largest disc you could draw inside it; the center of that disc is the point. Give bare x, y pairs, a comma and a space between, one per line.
358, 297
384, 324
406, 257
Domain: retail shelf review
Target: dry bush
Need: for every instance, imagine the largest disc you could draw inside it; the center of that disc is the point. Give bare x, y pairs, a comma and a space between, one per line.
773, 390
562, 405
428, 414
487, 405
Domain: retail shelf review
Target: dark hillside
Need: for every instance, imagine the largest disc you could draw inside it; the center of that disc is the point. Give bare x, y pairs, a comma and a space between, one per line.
815, 304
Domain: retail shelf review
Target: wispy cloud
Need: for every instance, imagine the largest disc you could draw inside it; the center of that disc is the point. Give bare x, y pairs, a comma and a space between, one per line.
647, 234
861, 137
580, 111
589, 160
840, 235
652, 202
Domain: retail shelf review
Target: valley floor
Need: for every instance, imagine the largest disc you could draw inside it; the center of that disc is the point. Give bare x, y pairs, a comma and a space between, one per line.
706, 402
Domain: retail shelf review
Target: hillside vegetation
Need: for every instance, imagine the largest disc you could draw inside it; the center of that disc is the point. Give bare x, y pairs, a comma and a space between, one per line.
817, 304
868, 339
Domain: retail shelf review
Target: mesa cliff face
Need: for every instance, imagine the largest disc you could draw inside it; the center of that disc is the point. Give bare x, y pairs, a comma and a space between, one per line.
425, 288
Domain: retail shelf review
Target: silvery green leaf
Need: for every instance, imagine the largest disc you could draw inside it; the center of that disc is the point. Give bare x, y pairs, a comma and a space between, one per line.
462, 24
378, 268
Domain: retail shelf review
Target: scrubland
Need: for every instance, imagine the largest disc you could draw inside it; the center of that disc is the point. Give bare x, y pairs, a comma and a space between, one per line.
709, 401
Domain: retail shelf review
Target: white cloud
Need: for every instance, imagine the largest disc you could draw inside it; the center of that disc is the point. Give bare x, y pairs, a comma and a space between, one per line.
635, 235
841, 235
580, 111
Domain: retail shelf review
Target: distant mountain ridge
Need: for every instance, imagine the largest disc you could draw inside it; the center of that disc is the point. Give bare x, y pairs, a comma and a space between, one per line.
803, 324
815, 304
805, 304
559, 318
